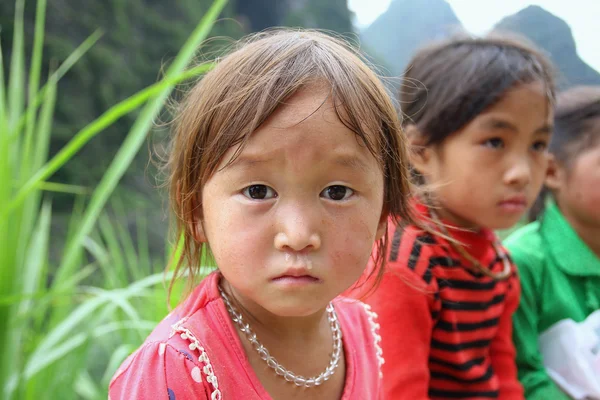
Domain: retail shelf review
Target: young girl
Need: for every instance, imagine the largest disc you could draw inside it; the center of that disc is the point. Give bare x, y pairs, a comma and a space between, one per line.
286, 162
559, 256
478, 116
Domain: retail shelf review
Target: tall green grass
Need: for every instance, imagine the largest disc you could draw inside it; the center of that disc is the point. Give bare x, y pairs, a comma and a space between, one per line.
61, 336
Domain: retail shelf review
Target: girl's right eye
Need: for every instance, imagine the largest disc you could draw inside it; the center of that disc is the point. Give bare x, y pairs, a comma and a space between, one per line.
494, 143
259, 192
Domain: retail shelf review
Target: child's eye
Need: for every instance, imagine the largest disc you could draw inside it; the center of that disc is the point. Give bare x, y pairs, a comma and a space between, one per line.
539, 146
494, 143
337, 192
259, 192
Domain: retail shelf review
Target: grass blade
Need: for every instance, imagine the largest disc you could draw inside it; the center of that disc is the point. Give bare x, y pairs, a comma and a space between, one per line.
16, 83
86, 388
134, 140
79, 52
108, 118
34, 84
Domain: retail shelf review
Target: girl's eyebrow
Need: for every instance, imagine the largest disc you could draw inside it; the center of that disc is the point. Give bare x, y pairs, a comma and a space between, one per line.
351, 161
498, 123
347, 160
244, 161
547, 129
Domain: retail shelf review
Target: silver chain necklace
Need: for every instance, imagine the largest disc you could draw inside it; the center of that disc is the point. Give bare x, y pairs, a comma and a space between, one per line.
279, 369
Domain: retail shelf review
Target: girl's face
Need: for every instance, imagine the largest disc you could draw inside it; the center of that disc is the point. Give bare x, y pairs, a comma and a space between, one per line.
489, 172
292, 221
577, 189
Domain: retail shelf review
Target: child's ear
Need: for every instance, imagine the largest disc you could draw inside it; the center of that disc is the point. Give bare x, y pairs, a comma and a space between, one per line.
197, 227
418, 151
554, 174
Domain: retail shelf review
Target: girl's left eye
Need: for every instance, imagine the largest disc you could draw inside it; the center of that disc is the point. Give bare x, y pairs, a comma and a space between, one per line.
259, 192
337, 192
540, 146
494, 143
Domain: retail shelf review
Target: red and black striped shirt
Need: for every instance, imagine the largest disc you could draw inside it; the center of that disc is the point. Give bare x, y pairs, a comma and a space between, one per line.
446, 330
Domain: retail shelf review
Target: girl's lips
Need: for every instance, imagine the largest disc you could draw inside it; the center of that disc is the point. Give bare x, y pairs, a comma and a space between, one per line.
514, 205
289, 280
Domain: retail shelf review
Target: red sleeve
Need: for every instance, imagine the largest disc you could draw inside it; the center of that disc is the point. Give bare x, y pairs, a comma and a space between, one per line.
502, 349
406, 305
159, 371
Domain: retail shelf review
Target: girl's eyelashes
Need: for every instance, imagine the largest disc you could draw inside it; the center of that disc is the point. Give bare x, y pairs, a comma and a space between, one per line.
337, 192
494, 143
264, 192
259, 192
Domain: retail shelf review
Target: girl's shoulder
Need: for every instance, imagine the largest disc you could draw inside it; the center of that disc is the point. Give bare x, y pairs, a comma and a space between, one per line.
525, 237
413, 252
526, 247
174, 358
360, 329
355, 313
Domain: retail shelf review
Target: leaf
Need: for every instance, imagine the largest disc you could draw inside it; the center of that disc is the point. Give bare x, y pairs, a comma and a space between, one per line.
86, 388
108, 118
34, 82
16, 84
79, 52
42, 360
37, 256
133, 141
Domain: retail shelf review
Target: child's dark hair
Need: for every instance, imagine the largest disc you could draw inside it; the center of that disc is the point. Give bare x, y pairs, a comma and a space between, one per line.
447, 84
576, 128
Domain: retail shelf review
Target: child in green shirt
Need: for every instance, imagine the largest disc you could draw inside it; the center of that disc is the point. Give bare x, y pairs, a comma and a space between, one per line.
558, 256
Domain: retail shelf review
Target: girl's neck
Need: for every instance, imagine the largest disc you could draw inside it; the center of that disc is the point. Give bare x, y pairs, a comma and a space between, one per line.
269, 326
454, 220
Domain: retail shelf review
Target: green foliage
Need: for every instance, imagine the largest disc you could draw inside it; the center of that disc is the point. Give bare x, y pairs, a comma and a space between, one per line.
55, 317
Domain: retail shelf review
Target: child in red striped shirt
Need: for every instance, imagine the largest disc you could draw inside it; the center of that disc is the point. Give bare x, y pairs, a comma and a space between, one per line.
479, 119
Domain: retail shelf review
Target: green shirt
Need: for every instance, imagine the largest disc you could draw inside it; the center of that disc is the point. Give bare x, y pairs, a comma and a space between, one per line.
560, 278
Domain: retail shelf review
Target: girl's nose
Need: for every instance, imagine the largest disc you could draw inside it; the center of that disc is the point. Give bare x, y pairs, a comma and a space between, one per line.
519, 174
297, 230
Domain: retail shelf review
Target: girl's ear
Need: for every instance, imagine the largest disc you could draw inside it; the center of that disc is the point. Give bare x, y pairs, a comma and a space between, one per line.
198, 232
197, 227
555, 175
419, 153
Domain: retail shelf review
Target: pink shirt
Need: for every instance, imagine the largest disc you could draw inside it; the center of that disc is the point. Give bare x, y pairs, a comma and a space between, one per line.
195, 353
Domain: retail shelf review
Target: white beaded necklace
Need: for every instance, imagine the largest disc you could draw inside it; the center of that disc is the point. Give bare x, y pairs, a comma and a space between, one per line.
279, 369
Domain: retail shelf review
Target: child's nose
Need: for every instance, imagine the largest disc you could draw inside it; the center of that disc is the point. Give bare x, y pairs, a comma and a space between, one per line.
519, 174
297, 230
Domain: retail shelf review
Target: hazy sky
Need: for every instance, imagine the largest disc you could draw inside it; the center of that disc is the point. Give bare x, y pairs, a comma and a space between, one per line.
478, 16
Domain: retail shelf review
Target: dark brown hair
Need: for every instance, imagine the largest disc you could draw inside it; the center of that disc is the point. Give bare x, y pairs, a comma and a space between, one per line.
226, 106
447, 84
576, 128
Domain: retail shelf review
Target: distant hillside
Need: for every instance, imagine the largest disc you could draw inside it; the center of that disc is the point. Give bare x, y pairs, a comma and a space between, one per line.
406, 26
409, 24
555, 37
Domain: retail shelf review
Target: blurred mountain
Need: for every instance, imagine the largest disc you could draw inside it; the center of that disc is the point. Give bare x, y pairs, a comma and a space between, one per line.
554, 36
408, 24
